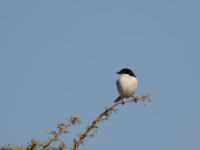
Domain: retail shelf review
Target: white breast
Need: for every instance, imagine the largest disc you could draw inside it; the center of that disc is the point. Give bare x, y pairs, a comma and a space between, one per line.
127, 85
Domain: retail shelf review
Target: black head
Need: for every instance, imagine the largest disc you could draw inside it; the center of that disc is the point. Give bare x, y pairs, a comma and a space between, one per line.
126, 71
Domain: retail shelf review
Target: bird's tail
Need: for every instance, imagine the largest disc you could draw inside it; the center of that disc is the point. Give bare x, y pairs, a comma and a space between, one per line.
118, 99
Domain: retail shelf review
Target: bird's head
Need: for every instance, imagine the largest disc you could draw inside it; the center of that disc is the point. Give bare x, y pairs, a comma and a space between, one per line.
126, 71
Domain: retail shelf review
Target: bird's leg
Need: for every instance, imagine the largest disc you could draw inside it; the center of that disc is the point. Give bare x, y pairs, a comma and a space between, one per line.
123, 101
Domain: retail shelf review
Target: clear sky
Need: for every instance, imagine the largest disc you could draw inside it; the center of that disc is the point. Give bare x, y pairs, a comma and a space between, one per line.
59, 59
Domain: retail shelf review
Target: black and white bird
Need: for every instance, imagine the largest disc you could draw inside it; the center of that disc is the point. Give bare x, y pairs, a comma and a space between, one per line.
126, 84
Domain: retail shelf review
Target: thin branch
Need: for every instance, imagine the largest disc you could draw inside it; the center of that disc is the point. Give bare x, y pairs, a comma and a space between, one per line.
73, 121
105, 114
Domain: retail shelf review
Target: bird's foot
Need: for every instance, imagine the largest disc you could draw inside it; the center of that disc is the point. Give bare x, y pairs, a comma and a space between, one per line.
135, 99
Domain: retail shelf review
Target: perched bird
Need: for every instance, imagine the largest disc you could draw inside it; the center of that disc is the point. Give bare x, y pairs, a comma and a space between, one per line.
126, 84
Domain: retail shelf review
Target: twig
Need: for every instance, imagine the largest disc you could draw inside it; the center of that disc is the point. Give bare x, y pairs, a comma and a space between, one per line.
33, 145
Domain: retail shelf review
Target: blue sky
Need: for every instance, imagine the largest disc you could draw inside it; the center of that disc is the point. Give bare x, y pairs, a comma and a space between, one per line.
59, 59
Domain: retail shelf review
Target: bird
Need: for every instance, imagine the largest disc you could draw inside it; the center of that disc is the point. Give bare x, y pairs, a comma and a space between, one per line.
126, 84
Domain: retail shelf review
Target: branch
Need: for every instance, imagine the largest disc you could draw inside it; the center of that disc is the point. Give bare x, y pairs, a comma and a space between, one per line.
103, 116
62, 129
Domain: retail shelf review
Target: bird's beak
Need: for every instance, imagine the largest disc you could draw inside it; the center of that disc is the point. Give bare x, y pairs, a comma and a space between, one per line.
118, 72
